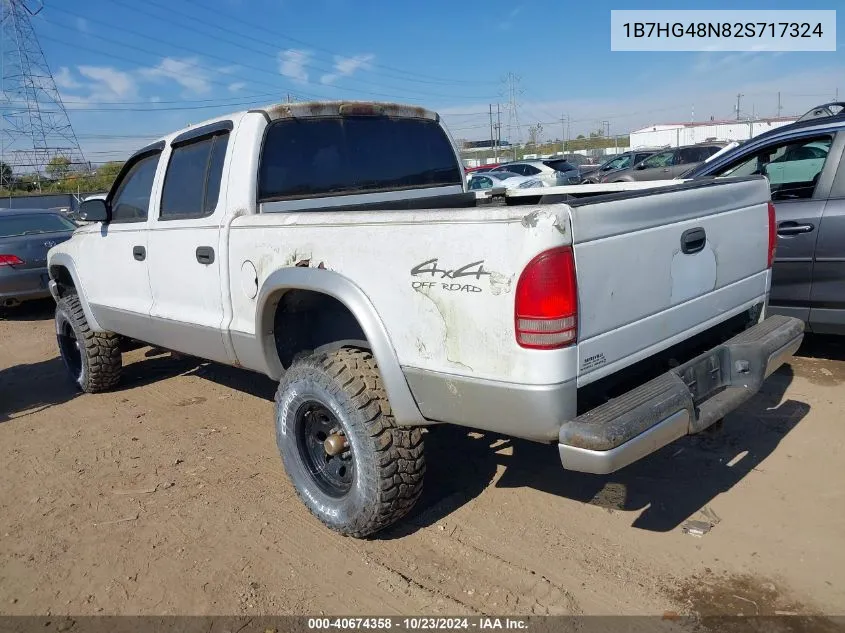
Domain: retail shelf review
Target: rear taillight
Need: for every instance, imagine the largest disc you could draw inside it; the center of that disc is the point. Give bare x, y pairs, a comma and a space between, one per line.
10, 260
773, 235
546, 311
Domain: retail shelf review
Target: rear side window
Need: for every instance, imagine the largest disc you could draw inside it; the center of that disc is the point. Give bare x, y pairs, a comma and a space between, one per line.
689, 155
192, 182
332, 156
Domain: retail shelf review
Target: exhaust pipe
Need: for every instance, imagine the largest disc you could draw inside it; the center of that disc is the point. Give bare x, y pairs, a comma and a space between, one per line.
10, 303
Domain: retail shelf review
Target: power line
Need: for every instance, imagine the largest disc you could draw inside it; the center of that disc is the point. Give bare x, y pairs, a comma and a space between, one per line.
170, 21
260, 27
112, 55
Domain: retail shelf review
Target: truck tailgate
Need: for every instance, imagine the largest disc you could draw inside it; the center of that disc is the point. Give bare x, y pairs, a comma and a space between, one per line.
657, 267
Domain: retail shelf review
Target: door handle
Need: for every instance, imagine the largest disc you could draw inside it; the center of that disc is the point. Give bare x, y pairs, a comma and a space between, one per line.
205, 255
665, 169
139, 253
693, 240
793, 228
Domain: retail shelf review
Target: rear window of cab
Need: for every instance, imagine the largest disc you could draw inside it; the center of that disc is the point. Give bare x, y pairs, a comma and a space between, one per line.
331, 156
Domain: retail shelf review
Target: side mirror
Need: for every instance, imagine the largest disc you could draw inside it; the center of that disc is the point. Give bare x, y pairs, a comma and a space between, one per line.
93, 211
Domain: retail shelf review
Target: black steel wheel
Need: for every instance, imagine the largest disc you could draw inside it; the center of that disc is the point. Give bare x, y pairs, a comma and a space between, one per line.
69, 349
317, 431
92, 359
351, 465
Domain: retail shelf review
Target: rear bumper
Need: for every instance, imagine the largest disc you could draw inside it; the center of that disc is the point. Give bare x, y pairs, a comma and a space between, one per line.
683, 401
22, 285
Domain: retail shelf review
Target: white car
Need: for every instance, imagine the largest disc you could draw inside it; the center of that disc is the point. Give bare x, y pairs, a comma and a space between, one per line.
554, 172
334, 247
496, 183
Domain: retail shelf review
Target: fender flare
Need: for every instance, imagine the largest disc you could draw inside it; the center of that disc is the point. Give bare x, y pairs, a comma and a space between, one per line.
404, 407
66, 261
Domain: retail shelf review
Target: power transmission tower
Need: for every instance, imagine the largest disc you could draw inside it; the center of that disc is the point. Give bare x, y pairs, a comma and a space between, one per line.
36, 130
513, 111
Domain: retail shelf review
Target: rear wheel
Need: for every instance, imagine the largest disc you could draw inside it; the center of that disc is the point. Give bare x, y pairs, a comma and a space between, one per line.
92, 358
351, 466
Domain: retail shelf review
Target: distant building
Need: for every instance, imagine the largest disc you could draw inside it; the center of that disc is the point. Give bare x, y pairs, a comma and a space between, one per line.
481, 146
677, 134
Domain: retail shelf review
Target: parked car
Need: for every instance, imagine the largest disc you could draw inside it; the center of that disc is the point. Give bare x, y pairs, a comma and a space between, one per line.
25, 237
593, 174
479, 170
666, 164
495, 183
383, 300
804, 164
552, 171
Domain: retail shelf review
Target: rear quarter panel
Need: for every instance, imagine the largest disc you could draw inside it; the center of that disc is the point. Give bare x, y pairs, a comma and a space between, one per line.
441, 281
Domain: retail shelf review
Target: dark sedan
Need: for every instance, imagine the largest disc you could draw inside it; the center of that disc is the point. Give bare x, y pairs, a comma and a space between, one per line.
25, 237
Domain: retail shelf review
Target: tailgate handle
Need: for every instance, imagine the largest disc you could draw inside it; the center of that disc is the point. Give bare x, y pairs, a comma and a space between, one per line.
139, 253
693, 240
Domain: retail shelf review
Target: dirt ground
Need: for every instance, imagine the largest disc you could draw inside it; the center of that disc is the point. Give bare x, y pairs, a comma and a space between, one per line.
167, 496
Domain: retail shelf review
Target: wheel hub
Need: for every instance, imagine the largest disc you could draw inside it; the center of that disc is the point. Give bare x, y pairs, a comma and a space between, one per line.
335, 444
324, 449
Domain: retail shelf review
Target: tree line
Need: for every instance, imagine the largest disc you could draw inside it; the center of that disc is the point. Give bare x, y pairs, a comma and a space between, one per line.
59, 177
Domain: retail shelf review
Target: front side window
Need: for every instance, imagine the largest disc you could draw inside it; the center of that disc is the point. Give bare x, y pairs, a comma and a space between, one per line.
622, 162
192, 181
792, 167
663, 159
131, 201
329, 156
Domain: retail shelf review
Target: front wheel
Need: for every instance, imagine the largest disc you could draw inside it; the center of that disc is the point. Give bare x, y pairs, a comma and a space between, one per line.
351, 466
91, 358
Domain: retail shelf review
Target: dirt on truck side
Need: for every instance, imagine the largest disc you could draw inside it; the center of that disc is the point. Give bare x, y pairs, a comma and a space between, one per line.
167, 496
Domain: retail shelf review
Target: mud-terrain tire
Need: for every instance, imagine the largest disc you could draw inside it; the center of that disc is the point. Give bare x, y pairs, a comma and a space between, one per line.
378, 476
92, 359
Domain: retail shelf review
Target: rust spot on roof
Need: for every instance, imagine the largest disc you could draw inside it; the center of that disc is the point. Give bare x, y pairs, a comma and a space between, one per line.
333, 108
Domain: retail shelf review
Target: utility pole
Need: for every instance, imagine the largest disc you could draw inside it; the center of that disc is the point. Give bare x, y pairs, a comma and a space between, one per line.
563, 122
492, 141
513, 111
779, 106
498, 130
739, 96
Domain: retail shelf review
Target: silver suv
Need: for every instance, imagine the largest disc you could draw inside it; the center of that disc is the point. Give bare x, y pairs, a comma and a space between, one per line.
667, 164
552, 172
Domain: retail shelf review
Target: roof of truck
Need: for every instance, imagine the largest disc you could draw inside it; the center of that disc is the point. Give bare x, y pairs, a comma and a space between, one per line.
297, 109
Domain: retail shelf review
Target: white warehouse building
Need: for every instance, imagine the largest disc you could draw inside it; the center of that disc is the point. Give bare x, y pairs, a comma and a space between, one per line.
677, 134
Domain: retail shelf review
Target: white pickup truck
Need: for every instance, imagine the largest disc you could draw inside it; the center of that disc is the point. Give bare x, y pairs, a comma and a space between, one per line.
335, 248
